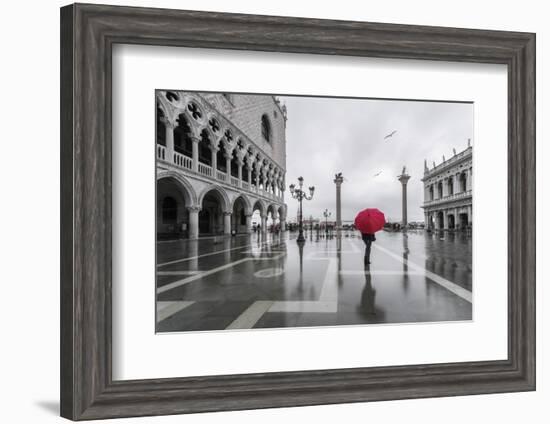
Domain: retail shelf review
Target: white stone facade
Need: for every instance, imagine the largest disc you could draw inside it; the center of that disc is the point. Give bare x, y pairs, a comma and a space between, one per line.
448, 193
220, 157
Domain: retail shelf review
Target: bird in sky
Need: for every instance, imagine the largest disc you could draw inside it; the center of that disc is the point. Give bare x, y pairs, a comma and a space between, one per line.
390, 134
377, 174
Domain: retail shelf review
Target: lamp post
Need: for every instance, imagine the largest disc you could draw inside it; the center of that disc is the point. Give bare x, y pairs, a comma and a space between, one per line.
326, 214
299, 194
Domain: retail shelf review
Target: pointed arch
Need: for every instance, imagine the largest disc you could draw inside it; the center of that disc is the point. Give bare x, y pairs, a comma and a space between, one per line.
260, 205
248, 205
225, 202
184, 186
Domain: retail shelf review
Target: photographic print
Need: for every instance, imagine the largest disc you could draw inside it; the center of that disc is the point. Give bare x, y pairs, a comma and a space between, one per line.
286, 211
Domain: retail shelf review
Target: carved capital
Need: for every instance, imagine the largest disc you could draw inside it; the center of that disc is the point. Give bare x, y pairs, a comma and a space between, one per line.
227, 146
194, 208
169, 124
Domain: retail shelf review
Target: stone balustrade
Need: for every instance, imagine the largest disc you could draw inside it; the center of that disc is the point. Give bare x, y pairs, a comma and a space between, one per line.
185, 162
449, 198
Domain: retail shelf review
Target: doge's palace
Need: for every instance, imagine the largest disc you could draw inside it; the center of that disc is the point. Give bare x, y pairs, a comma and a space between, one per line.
220, 157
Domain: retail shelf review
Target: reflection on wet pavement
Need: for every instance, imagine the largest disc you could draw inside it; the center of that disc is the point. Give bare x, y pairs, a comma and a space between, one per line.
251, 282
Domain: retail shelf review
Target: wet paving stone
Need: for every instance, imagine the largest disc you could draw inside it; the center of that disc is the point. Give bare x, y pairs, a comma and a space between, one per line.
251, 282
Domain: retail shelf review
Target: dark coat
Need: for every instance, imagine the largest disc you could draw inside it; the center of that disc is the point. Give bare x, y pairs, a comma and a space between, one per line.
368, 237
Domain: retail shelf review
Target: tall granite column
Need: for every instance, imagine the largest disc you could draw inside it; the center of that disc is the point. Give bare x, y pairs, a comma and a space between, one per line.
338, 180
404, 179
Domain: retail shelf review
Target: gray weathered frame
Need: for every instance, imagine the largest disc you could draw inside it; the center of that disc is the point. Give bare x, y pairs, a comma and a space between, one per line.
88, 33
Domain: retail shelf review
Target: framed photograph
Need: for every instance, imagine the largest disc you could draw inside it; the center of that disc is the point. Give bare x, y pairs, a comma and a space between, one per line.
263, 212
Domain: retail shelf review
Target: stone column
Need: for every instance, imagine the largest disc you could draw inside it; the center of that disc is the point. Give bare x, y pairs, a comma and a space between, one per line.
193, 221
240, 164
457, 218
403, 179
264, 223
283, 220
227, 157
338, 180
249, 177
214, 151
169, 141
227, 223
469, 179
274, 215
445, 220
248, 223
261, 175
195, 154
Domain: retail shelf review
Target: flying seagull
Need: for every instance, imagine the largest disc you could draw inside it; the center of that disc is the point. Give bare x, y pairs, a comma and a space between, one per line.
377, 174
390, 134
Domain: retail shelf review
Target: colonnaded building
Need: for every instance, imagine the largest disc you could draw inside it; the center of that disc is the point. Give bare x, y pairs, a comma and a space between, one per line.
220, 158
448, 192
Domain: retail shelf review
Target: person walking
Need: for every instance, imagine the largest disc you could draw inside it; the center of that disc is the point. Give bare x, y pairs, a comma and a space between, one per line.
368, 239
368, 222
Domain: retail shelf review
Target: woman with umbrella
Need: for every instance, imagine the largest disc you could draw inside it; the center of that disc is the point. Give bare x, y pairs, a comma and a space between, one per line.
369, 221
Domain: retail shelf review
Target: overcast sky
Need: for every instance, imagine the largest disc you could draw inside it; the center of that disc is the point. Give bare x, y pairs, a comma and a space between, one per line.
328, 135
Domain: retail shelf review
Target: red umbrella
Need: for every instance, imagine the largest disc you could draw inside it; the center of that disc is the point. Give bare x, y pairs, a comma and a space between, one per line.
369, 221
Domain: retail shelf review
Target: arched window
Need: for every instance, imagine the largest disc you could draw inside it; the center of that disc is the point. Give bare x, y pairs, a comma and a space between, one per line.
220, 158
169, 210
266, 128
234, 164
182, 137
205, 155
161, 128
245, 170
463, 181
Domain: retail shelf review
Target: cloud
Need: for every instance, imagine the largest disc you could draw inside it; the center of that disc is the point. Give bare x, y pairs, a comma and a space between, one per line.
329, 135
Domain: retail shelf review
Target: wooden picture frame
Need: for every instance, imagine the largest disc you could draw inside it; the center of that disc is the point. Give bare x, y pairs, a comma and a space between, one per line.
88, 33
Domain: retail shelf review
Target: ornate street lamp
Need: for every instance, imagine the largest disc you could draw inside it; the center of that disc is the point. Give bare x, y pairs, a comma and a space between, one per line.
326, 214
299, 194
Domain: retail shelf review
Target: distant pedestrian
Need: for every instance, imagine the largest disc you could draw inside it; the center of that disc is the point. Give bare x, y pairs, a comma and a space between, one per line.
368, 222
368, 239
